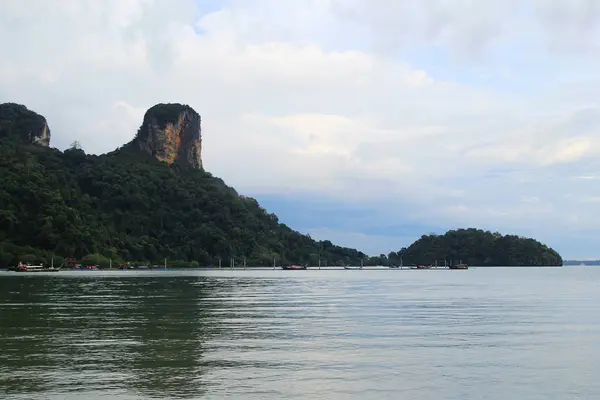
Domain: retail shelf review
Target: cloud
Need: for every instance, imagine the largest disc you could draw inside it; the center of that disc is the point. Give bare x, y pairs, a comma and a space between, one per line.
465, 26
455, 113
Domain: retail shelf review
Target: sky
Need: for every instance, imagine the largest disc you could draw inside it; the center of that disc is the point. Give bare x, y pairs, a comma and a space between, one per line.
368, 123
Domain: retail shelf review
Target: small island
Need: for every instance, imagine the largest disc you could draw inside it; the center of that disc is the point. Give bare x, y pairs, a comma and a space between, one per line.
152, 200
477, 247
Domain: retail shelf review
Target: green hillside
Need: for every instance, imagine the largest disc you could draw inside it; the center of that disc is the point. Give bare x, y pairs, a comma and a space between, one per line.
128, 206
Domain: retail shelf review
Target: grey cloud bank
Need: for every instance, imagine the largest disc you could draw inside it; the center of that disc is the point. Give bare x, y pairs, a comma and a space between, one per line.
325, 100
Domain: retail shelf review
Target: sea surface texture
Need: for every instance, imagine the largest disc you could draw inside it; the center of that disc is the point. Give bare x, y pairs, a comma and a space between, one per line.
496, 333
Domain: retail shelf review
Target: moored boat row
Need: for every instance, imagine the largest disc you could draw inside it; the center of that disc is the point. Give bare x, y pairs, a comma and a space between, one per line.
34, 268
405, 267
294, 267
26, 267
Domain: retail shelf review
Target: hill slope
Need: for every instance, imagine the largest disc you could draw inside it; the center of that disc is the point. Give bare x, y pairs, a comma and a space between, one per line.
138, 204
133, 207
133, 204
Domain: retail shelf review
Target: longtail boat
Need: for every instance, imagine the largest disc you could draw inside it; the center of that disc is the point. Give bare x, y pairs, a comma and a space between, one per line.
294, 267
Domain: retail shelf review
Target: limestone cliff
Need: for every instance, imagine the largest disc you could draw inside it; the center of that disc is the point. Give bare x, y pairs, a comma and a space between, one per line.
171, 133
18, 122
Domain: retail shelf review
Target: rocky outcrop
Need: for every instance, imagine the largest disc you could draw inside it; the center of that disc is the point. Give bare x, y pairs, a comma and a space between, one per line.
20, 123
172, 133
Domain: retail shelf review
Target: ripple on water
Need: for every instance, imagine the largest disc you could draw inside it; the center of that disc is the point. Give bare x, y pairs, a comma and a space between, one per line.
494, 334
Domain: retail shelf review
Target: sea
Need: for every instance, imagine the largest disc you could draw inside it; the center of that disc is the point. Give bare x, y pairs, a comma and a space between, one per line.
481, 333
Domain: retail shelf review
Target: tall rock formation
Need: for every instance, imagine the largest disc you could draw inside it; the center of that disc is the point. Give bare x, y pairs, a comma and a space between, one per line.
18, 122
171, 133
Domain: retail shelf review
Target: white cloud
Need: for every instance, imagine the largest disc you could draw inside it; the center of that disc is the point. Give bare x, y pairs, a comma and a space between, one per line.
348, 99
466, 26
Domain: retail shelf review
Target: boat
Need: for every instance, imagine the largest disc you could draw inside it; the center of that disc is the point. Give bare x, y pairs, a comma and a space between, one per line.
458, 266
294, 267
349, 267
34, 268
80, 267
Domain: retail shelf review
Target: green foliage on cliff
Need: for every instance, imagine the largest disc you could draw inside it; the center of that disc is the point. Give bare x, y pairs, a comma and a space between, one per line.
164, 113
16, 121
477, 247
129, 206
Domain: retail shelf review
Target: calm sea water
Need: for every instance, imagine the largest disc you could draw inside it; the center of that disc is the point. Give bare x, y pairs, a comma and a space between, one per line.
500, 333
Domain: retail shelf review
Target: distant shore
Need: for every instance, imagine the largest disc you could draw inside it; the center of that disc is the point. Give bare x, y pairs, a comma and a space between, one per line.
279, 268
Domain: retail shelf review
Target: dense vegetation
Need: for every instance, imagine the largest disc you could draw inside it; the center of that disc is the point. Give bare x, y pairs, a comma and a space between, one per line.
16, 121
164, 113
476, 247
128, 206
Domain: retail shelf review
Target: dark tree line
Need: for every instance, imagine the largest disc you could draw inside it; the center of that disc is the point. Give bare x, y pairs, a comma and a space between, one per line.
129, 206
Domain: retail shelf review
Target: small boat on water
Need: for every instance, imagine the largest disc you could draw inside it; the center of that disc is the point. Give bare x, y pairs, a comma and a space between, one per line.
349, 267
34, 268
459, 266
80, 267
294, 267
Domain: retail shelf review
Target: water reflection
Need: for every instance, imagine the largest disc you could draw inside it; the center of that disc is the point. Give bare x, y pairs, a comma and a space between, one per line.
144, 335
168, 329
26, 359
253, 335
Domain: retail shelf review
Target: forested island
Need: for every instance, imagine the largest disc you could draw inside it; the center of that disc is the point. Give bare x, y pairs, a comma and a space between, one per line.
478, 247
152, 200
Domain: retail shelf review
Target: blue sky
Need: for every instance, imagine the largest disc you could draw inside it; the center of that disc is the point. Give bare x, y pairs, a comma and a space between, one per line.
367, 123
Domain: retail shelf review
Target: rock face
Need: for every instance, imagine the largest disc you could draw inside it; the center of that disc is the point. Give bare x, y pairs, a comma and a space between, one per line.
172, 133
18, 122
